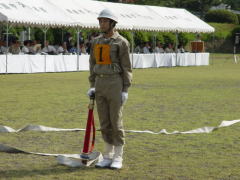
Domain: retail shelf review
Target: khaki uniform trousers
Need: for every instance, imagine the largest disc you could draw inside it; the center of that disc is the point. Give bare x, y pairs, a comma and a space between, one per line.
109, 106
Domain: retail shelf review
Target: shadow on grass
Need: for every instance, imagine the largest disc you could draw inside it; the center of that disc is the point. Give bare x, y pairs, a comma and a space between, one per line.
55, 170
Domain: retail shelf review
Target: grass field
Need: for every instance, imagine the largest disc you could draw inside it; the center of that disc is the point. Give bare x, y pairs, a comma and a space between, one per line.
179, 98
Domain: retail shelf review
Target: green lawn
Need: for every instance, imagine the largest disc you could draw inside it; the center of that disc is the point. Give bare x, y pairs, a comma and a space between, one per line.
178, 98
223, 29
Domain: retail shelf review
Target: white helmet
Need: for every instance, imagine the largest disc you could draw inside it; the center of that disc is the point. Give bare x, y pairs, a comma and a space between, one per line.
106, 13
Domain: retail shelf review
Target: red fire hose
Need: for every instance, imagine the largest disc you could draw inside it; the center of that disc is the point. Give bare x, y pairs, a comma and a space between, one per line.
90, 131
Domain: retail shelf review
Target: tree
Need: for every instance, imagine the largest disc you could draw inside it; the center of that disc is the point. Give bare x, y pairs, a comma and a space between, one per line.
196, 6
205, 5
235, 4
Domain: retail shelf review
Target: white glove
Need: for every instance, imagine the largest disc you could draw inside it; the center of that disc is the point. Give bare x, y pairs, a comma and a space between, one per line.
91, 91
124, 97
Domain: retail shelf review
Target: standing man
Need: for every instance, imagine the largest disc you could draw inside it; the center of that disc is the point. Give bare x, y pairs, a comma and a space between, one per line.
110, 78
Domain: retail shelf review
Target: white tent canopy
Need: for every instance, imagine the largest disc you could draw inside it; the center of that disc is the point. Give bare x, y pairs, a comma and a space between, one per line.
83, 14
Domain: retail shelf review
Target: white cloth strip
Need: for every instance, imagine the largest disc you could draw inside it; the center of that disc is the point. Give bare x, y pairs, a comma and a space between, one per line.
5, 129
71, 160
9, 149
36, 128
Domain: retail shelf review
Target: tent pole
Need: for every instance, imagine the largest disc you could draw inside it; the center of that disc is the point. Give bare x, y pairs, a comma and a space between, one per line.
154, 46
29, 33
1, 30
213, 47
132, 46
7, 44
7, 37
176, 46
45, 39
7, 30
78, 47
45, 35
62, 36
154, 41
196, 55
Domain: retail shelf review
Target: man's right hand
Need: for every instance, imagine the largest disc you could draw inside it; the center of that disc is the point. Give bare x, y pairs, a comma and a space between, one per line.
91, 91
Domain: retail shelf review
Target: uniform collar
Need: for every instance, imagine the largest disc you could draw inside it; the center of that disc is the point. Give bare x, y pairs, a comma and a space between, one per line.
114, 36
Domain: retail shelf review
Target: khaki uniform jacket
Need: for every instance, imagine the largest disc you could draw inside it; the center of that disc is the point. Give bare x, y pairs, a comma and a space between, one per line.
119, 59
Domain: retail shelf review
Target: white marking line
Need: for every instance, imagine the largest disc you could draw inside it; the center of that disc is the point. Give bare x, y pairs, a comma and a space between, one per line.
6, 129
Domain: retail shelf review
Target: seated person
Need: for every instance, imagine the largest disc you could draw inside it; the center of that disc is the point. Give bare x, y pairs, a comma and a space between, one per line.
198, 38
3, 48
82, 48
62, 49
49, 49
180, 49
138, 49
169, 48
74, 50
15, 47
26, 46
146, 48
159, 48
35, 47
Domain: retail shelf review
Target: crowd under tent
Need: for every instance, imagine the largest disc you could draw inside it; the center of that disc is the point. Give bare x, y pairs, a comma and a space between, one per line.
82, 14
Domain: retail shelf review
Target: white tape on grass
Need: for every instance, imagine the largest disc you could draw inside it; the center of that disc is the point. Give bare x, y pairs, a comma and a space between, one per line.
36, 128
71, 160
75, 160
163, 131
